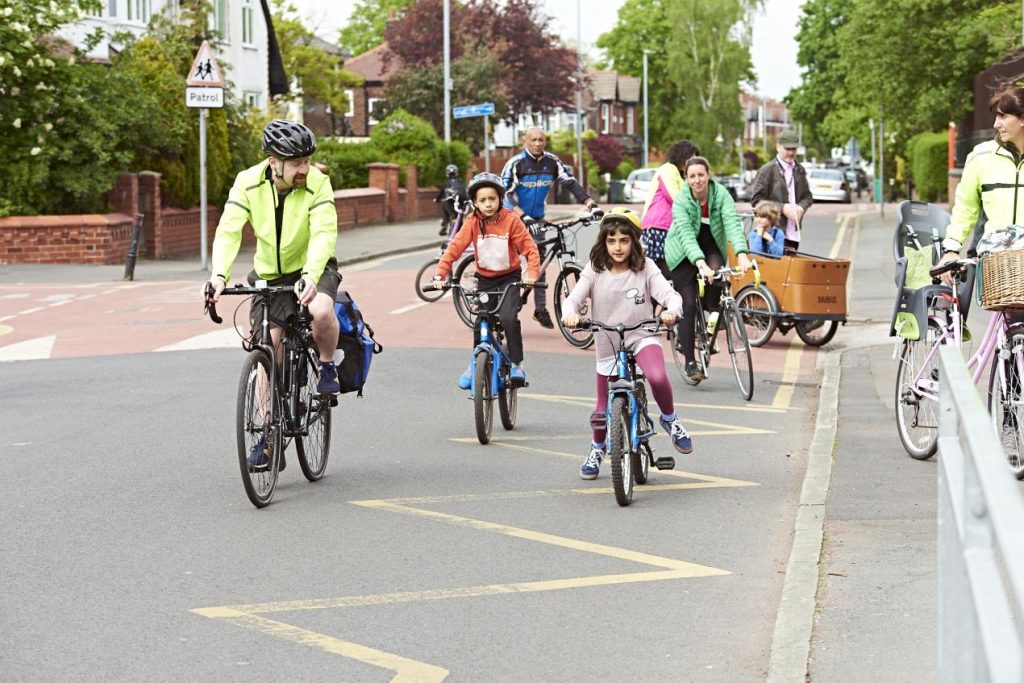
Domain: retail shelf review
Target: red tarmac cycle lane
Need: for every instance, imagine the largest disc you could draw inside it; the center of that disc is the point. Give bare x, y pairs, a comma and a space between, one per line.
65, 321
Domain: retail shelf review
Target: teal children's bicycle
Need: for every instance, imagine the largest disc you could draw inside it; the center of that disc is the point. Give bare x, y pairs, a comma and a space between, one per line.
490, 366
629, 424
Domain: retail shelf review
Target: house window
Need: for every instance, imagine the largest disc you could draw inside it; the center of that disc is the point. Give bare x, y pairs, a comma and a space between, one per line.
251, 99
351, 96
604, 118
371, 105
630, 120
219, 18
112, 8
247, 13
139, 10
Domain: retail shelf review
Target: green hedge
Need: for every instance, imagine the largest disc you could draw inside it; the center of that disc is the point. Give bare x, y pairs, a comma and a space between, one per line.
346, 162
927, 153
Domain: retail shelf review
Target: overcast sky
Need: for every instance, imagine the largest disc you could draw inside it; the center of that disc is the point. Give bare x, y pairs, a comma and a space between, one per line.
773, 51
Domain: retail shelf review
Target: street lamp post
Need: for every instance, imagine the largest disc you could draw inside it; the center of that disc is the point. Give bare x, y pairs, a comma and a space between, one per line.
647, 148
447, 75
579, 95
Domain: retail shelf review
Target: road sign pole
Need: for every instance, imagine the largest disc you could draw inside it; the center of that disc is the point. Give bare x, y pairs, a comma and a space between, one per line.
487, 145
202, 187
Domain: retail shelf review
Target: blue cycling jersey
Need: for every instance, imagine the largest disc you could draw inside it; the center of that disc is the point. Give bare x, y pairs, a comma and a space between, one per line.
528, 179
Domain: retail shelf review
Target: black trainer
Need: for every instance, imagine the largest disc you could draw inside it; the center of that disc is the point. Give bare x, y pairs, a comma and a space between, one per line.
693, 371
544, 318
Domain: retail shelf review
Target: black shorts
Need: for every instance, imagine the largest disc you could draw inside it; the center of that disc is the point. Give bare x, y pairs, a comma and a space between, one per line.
281, 307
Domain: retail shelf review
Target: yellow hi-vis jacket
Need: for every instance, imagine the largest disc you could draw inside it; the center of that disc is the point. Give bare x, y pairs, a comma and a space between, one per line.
309, 228
993, 180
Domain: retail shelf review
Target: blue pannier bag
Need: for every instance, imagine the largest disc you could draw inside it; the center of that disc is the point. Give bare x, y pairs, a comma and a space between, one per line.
356, 343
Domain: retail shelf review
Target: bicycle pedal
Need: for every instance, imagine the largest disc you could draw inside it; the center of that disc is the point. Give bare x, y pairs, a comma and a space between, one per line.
665, 463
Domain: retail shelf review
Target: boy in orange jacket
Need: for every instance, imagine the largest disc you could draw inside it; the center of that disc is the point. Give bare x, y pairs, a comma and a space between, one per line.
500, 240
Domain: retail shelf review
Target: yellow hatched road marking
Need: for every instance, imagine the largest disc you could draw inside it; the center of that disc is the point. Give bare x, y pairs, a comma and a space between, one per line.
406, 670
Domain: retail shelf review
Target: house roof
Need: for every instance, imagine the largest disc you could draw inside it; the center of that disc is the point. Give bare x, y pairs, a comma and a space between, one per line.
609, 86
327, 47
373, 65
629, 88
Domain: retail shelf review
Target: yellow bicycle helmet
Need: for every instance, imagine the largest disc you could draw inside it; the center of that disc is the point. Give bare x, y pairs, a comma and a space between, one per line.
620, 214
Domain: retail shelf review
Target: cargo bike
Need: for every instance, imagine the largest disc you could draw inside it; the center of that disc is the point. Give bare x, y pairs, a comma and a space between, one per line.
798, 291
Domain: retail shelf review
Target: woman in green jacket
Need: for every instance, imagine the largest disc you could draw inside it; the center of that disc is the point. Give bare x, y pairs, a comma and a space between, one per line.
704, 222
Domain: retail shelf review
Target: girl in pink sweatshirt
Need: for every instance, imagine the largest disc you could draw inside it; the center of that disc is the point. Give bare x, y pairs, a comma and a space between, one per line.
621, 283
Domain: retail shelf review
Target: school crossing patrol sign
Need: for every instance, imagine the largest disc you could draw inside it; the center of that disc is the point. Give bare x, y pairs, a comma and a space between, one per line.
204, 87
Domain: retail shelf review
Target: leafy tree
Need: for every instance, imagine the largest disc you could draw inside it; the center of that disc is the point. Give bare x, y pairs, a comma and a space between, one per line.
476, 78
535, 69
607, 152
319, 74
365, 28
694, 80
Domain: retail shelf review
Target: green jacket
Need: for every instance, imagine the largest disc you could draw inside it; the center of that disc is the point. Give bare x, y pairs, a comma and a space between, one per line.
309, 229
993, 180
681, 242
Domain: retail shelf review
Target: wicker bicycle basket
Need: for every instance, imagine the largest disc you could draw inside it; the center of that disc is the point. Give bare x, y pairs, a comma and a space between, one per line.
1002, 280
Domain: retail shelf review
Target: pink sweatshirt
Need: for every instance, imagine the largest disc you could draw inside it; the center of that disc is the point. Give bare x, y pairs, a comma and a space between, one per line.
623, 297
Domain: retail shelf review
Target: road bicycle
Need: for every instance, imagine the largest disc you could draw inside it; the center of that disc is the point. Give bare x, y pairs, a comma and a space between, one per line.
425, 274
628, 422
705, 342
1001, 349
561, 246
490, 364
277, 394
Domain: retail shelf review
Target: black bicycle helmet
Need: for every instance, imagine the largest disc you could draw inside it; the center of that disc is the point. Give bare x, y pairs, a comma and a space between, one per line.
288, 140
451, 170
486, 180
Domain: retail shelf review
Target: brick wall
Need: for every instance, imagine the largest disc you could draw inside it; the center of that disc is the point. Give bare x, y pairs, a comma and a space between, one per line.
180, 232
359, 207
91, 238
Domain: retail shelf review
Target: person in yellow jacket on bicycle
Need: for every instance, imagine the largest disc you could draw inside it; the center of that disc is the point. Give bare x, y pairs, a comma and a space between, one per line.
290, 205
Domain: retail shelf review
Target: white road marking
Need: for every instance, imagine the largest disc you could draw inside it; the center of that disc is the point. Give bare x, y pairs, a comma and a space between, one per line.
410, 307
221, 339
29, 310
58, 297
14, 296
30, 349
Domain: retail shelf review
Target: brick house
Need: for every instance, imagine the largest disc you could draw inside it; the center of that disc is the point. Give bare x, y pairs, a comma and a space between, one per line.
376, 71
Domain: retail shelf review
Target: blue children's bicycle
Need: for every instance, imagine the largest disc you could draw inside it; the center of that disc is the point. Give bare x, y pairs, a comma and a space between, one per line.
629, 425
490, 364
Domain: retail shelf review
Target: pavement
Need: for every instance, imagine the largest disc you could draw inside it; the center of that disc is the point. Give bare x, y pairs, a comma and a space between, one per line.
866, 607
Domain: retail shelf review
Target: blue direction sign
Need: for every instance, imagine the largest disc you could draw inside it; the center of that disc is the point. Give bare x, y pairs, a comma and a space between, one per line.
485, 109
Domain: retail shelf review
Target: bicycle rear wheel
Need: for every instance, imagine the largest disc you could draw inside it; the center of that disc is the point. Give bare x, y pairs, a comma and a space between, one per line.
315, 421
619, 448
508, 405
917, 380
564, 284
425, 278
757, 308
483, 400
739, 351
1004, 404
465, 275
817, 332
257, 425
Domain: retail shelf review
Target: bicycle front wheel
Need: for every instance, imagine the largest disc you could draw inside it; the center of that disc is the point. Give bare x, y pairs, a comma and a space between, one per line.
314, 423
1004, 403
701, 350
619, 448
757, 307
425, 278
739, 351
465, 275
564, 284
917, 390
258, 429
483, 400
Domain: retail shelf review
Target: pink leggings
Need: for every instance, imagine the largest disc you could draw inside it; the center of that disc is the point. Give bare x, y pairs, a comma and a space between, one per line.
652, 362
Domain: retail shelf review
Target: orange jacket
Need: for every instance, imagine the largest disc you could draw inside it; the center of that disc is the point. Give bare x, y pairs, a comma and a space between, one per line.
504, 232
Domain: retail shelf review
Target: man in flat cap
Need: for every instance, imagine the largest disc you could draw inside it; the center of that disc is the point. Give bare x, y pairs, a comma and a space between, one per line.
783, 181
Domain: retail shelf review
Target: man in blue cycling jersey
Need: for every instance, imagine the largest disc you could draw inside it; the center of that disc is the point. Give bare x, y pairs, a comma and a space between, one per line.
528, 177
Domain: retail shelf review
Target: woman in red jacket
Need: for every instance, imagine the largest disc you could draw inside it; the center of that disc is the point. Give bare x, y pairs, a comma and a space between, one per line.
500, 239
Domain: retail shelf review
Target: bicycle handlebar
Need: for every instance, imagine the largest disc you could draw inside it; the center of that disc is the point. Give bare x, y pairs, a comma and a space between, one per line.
620, 328
210, 308
726, 273
581, 220
959, 264
448, 284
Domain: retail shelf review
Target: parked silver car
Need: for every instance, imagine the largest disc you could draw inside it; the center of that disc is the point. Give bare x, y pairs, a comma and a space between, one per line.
638, 185
828, 185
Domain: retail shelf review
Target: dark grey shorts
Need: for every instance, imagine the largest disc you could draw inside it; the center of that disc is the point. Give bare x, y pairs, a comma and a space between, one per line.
281, 307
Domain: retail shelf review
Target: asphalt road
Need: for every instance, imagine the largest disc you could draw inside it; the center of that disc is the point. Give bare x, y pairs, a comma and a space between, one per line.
129, 550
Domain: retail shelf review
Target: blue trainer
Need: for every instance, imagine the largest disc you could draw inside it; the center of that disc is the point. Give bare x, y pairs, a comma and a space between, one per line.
259, 456
517, 375
466, 378
328, 383
677, 432
592, 465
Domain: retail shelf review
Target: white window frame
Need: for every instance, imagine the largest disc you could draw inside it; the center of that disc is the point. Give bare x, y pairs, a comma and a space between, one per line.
630, 120
247, 23
351, 111
251, 98
605, 116
370, 101
140, 11
219, 19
